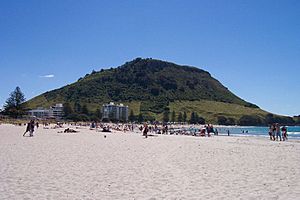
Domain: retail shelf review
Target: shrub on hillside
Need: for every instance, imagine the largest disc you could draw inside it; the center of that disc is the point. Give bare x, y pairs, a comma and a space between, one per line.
250, 120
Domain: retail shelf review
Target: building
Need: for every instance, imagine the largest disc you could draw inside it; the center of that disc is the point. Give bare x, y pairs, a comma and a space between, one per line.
39, 113
113, 111
54, 112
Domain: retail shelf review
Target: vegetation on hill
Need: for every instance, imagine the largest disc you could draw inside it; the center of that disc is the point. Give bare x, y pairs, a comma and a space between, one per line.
153, 90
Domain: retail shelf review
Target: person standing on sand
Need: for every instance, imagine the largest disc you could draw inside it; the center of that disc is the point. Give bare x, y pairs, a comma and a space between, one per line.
27, 129
30, 128
271, 132
278, 133
145, 130
284, 133
216, 132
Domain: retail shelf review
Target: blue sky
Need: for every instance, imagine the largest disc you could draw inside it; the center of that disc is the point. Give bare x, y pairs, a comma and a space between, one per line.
252, 47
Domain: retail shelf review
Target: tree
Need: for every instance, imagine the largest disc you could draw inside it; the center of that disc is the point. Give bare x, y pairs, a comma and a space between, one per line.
166, 115
201, 120
180, 117
173, 116
99, 113
196, 118
67, 109
77, 107
95, 118
184, 116
226, 121
250, 120
222, 120
84, 110
193, 118
269, 119
230, 121
140, 118
297, 120
13, 105
131, 116
78, 117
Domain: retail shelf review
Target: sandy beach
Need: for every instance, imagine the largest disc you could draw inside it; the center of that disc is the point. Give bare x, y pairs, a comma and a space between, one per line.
86, 165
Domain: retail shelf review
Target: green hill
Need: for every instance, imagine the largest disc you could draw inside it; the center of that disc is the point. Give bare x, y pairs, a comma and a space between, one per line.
151, 86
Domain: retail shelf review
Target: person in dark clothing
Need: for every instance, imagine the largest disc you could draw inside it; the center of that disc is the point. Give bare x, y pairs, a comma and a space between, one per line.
30, 128
27, 129
145, 130
284, 133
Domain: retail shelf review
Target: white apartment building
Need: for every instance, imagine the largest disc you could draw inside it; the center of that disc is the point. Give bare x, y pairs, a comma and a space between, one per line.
113, 111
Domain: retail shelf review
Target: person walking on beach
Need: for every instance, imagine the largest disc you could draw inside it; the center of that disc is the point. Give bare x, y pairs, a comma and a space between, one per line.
284, 133
278, 133
216, 132
29, 128
271, 132
145, 130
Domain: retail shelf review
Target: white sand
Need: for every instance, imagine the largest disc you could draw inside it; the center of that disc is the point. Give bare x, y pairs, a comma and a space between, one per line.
86, 165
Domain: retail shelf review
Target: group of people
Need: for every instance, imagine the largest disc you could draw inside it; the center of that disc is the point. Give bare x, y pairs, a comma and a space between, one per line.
275, 132
145, 129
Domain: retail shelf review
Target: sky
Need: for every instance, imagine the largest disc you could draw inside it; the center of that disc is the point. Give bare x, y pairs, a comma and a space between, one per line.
252, 47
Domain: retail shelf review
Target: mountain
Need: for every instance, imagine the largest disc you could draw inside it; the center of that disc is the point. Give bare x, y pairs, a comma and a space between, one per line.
151, 86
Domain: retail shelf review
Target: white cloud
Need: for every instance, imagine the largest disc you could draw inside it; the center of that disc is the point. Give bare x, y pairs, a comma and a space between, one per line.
47, 76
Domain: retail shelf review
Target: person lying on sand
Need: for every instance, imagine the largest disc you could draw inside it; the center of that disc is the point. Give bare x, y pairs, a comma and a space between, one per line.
68, 130
106, 129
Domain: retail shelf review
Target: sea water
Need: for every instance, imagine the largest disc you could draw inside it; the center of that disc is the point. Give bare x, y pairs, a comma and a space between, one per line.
293, 131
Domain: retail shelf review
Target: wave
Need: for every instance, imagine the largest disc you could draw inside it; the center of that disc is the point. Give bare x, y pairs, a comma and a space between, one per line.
293, 133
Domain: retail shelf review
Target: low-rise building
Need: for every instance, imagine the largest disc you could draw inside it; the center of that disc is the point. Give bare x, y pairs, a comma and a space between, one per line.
55, 112
113, 111
39, 113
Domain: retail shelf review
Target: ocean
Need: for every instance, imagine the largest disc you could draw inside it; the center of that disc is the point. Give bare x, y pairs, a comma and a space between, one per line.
293, 131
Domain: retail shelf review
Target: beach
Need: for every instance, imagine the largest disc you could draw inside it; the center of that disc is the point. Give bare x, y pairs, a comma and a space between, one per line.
87, 165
